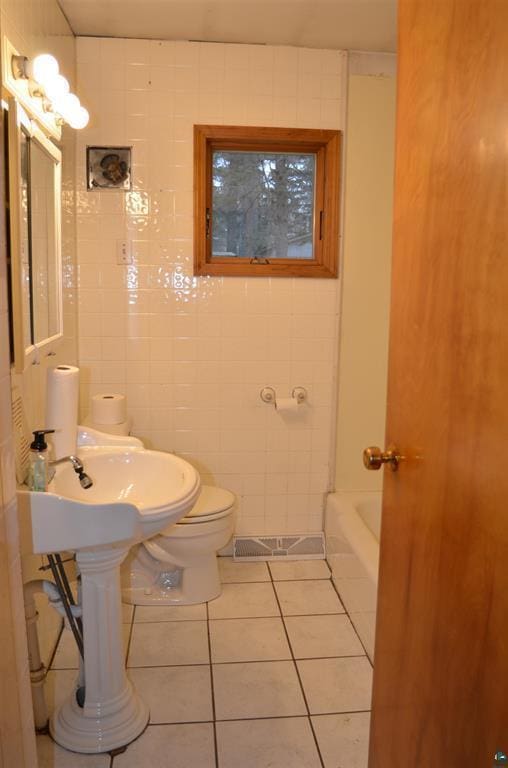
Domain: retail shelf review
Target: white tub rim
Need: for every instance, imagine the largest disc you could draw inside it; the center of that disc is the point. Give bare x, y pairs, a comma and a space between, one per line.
343, 506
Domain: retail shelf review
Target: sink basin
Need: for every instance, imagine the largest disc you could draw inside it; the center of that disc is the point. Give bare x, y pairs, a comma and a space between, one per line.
135, 494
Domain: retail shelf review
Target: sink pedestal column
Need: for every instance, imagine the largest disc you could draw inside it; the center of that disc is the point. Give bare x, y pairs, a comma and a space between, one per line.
113, 715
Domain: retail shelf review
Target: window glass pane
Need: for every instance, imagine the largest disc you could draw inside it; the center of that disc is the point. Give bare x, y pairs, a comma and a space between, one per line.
263, 204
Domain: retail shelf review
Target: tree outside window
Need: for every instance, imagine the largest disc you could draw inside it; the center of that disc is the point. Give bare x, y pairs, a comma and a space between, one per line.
266, 201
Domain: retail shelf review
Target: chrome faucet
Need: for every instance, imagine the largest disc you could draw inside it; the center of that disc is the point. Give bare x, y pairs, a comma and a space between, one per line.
84, 480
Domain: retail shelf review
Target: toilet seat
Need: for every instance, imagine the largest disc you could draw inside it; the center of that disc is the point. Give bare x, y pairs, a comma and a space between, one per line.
212, 504
206, 519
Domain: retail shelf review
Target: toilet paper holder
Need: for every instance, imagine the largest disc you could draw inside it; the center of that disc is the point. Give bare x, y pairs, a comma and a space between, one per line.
300, 394
269, 395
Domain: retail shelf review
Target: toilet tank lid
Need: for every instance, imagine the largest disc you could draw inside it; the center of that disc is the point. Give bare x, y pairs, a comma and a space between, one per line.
210, 501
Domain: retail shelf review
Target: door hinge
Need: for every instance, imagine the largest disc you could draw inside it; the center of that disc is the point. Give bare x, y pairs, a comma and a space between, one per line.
208, 219
321, 219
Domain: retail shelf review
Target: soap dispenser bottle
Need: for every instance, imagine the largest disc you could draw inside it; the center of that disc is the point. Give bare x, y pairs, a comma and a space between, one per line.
39, 461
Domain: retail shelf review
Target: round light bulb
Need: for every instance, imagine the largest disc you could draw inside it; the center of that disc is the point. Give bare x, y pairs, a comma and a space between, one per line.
56, 88
80, 119
67, 106
43, 68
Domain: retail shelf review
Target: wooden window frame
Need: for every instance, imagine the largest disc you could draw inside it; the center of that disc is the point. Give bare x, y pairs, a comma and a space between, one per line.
326, 145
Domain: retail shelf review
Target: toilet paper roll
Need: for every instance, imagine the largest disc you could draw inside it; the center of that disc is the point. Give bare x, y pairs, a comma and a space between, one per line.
109, 408
286, 404
62, 390
122, 429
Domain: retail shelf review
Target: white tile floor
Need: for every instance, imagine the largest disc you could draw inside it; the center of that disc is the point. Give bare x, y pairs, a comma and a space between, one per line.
270, 675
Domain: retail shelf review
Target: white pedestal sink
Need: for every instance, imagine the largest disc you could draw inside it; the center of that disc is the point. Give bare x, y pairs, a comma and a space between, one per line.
135, 494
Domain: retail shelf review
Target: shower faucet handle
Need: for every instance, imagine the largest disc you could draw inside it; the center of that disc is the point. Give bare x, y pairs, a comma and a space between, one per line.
374, 457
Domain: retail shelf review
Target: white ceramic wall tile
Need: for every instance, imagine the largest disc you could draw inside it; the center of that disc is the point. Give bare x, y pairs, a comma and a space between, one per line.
230, 335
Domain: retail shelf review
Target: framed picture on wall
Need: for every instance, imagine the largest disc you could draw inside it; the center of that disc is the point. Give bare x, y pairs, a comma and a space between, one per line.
109, 168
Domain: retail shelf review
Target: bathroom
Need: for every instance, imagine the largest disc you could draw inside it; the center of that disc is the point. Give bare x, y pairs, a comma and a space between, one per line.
200, 358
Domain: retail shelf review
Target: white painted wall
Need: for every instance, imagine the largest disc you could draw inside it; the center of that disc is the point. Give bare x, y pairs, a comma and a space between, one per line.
366, 268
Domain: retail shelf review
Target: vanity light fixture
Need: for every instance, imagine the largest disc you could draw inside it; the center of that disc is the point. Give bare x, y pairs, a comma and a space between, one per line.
46, 82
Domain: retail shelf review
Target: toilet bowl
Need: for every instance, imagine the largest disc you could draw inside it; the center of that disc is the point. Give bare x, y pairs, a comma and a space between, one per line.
179, 566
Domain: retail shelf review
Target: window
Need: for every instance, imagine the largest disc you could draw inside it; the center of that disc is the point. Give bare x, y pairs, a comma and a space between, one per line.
266, 201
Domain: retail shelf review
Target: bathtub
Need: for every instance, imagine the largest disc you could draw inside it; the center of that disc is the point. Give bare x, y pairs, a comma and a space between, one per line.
352, 528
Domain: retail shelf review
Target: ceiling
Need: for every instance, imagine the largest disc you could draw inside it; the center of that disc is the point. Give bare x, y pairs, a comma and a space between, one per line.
368, 25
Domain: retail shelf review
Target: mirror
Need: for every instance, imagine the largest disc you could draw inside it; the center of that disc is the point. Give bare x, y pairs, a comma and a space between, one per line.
35, 236
43, 246
24, 251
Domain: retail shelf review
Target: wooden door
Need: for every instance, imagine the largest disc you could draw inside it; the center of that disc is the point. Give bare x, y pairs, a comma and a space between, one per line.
441, 662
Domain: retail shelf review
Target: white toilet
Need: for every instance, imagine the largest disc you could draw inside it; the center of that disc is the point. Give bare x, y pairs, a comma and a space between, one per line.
179, 566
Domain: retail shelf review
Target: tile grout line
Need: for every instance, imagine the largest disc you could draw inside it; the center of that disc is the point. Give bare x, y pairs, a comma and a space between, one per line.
131, 629
129, 639
257, 717
283, 581
290, 658
187, 722
168, 621
195, 621
289, 615
334, 586
290, 717
256, 581
168, 666
311, 725
231, 663
216, 749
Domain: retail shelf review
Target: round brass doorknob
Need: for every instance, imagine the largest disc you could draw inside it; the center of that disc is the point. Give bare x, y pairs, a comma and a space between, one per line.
374, 457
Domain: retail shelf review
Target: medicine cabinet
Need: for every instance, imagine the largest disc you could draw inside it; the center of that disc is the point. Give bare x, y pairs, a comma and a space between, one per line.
34, 225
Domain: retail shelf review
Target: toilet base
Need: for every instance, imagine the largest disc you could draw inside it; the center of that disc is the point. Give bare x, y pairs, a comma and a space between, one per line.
152, 582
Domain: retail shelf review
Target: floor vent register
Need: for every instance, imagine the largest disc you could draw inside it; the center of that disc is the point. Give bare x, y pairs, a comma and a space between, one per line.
306, 547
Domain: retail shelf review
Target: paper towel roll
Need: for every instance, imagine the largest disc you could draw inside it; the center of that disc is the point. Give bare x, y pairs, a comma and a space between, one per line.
286, 404
62, 391
109, 409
